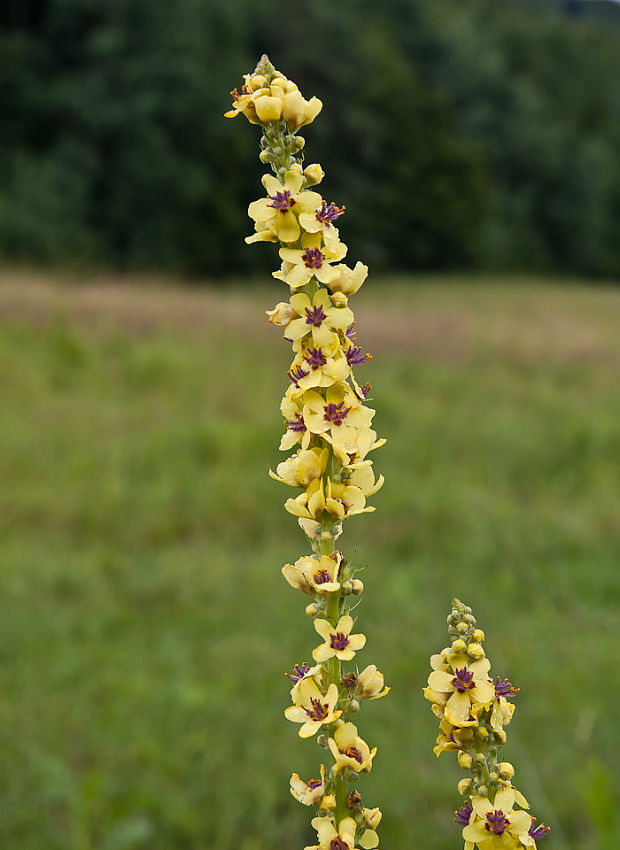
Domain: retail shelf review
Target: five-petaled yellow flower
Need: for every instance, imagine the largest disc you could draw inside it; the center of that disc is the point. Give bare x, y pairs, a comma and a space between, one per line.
338, 640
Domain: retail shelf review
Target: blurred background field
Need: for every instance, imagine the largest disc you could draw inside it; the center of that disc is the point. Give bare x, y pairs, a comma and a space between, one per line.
146, 626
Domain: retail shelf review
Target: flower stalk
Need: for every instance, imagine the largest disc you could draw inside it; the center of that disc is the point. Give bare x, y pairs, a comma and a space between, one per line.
474, 710
328, 424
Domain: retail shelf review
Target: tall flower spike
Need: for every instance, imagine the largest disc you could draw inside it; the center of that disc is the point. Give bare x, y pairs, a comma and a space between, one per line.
473, 710
328, 427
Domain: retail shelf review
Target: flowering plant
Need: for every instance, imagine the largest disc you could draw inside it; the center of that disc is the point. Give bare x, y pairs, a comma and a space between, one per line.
474, 710
328, 424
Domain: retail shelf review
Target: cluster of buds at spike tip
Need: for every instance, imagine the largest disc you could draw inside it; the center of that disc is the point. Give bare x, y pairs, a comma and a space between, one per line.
474, 709
328, 425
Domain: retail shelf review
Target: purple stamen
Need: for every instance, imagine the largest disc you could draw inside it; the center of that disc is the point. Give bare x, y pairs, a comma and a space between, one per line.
295, 375
537, 832
319, 711
314, 783
335, 413
351, 333
315, 358
503, 689
338, 844
463, 680
328, 213
355, 356
464, 813
282, 201
322, 577
496, 822
352, 753
313, 258
296, 424
339, 641
315, 315
299, 673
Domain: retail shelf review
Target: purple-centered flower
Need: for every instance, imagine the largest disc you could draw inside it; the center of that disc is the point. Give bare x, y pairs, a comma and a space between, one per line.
338, 844
339, 641
296, 424
496, 822
355, 356
464, 813
463, 680
319, 711
328, 213
314, 783
315, 358
503, 689
537, 832
313, 258
300, 671
315, 316
282, 201
335, 413
352, 753
321, 577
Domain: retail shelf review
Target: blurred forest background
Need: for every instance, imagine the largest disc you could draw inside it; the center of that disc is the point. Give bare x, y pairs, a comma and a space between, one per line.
489, 130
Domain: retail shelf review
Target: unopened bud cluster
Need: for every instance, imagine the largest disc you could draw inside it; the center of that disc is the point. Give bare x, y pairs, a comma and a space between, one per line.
474, 711
328, 425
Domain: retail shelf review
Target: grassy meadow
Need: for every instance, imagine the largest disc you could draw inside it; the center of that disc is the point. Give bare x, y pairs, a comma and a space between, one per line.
145, 625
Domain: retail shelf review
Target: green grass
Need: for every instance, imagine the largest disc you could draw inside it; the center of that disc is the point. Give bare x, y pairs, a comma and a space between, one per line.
146, 627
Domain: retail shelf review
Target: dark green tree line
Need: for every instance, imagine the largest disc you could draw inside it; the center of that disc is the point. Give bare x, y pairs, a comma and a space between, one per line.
477, 134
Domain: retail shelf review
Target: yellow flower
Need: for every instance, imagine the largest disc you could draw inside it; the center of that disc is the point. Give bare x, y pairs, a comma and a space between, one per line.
370, 684
297, 112
313, 259
496, 826
343, 500
318, 367
331, 838
314, 575
337, 417
275, 216
308, 793
349, 750
458, 691
296, 431
318, 318
312, 708
302, 467
281, 314
314, 174
308, 505
365, 441
321, 221
347, 280
338, 640
502, 710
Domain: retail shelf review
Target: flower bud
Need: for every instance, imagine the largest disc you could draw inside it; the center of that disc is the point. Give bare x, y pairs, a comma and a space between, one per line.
481, 732
354, 705
474, 650
462, 627
328, 802
483, 790
458, 646
465, 787
322, 741
500, 735
312, 609
506, 770
347, 587
313, 174
480, 758
281, 314
353, 776
493, 777
339, 299
357, 586
465, 760
478, 635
